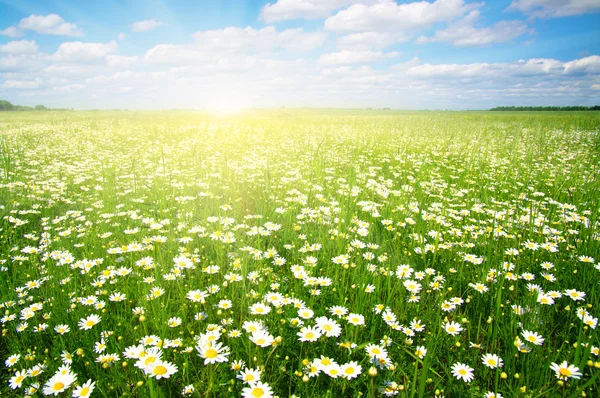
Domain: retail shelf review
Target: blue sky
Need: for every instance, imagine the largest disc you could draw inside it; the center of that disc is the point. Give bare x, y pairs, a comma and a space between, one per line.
455, 54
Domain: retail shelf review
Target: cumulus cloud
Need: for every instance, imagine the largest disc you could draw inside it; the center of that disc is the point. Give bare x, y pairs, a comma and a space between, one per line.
145, 25
464, 33
79, 52
535, 68
51, 24
22, 84
355, 57
265, 39
369, 40
284, 10
11, 31
19, 47
387, 15
555, 8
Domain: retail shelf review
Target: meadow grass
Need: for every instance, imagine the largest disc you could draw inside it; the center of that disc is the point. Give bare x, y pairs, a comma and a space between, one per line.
329, 253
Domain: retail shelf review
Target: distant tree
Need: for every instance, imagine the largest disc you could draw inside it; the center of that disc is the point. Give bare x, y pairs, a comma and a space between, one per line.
545, 108
6, 106
40, 108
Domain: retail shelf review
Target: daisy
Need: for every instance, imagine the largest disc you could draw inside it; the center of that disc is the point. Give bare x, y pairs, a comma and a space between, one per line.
355, 319
250, 376
564, 371
328, 327
333, 370
85, 390
462, 371
492, 361
338, 310
257, 390
17, 380
11, 360
533, 337
453, 328
374, 350
160, 370
262, 338
89, 322
212, 352
62, 329
259, 309
61, 381
421, 351
309, 334
351, 370
188, 390
490, 394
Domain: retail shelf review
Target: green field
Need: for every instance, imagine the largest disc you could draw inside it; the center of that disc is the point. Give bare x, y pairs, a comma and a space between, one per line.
330, 253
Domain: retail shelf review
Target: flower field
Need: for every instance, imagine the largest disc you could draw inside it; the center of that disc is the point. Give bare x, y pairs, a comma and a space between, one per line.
300, 253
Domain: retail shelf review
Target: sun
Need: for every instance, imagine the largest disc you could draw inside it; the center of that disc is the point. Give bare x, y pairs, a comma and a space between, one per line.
226, 106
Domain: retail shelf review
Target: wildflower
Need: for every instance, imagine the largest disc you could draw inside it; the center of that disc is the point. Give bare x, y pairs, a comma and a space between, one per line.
374, 350
160, 369
533, 337
212, 352
17, 380
350, 370
188, 390
333, 370
62, 329
257, 390
338, 310
309, 334
84, 390
355, 319
492, 361
490, 394
462, 371
250, 376
328, 327
89, 322
575, 295
262, 338
61, 381
564, 371
452, 328
259, 309
420, 352
12, 360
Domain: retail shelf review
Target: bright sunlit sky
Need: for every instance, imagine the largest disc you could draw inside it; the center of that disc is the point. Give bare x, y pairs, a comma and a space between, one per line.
444, 54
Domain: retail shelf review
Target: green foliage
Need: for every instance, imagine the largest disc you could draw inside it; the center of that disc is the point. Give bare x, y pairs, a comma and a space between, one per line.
545, 108
436, 217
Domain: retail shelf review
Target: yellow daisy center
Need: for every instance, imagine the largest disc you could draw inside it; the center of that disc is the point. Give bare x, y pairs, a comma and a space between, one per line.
211, 353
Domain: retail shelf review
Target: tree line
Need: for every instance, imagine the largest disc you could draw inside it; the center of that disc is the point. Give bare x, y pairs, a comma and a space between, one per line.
546, 108
7, 106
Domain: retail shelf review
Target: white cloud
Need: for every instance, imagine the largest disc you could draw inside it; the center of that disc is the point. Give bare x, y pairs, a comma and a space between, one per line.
121, 36
530, 69
345, 57
463, 33
284, 10
387, 15
22, 84
555, 8
583, 66
265, 39
369, 40
19, 47
51, 24
23, 62
120, 61
78, 52
11, 31
145, 25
